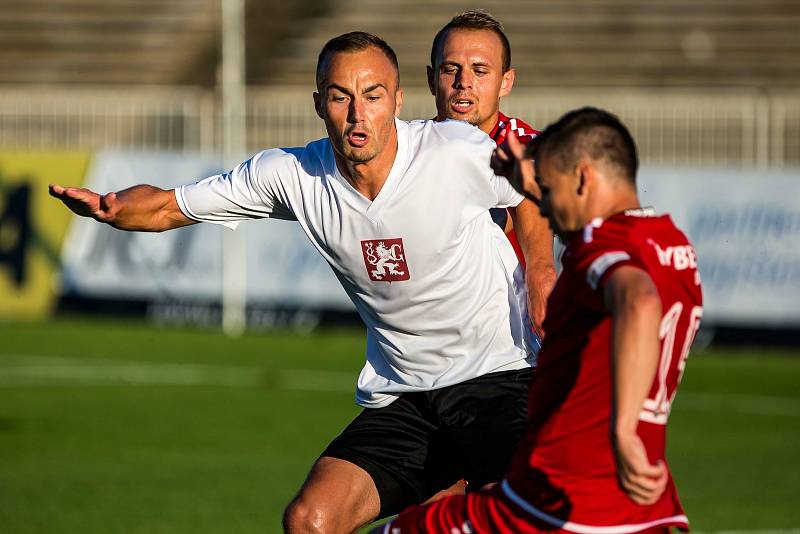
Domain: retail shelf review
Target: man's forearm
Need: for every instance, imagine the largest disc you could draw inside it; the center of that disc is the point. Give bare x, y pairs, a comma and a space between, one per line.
536, 241
534, 236
145, 208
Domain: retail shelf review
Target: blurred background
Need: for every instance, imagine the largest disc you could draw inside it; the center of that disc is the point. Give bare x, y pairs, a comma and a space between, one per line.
122, 406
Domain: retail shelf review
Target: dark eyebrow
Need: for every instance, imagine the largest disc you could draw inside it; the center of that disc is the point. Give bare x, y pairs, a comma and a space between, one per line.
348, 93
373, 87
338, 88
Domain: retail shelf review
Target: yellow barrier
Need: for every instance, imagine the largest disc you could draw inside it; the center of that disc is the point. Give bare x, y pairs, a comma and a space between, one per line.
32, 228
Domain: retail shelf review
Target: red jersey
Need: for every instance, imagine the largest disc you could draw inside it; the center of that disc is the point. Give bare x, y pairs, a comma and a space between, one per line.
567, 443
564, 473
499, 133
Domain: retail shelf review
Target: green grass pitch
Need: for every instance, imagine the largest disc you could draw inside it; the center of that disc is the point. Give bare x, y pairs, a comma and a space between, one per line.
108, 427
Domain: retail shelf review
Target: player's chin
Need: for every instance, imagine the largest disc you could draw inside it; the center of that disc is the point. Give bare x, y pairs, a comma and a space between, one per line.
471, 118
361, 154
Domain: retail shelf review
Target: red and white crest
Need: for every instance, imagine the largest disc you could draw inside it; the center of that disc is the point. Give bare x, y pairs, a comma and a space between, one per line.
385, 260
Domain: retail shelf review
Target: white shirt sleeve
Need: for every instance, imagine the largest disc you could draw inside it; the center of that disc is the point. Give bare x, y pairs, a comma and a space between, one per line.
507, 196
255, 189
478, 147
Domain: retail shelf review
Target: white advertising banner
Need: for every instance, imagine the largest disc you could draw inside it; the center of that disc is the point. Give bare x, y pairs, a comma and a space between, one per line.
745, 225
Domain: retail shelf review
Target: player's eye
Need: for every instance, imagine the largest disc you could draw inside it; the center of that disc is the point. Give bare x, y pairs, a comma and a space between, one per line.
373, 98
338, 98
449, 69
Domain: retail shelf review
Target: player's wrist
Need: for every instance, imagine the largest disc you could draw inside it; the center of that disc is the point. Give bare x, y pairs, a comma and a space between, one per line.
625, 426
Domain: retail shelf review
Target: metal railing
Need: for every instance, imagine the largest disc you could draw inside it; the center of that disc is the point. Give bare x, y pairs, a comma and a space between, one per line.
698, 128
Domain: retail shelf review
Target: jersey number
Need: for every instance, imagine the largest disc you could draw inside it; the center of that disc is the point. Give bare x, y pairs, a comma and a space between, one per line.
656, 409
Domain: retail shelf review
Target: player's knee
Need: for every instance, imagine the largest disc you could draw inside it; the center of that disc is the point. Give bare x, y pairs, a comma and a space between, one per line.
301, 517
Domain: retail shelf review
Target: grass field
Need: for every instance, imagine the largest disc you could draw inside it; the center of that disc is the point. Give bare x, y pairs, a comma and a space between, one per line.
108, 427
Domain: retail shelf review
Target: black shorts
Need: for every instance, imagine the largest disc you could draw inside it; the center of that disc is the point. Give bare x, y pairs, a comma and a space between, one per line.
424, 442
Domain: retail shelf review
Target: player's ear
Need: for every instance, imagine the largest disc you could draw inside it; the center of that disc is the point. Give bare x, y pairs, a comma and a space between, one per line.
508, 82
318, 105
398, 101
583, 173
431, 79
587, 174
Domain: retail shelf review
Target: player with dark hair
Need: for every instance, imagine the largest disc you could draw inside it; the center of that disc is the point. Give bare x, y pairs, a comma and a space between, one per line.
620, 322
440, 290
470, 72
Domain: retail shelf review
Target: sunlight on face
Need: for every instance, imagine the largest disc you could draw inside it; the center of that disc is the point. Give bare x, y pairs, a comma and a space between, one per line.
468, 79
358, 100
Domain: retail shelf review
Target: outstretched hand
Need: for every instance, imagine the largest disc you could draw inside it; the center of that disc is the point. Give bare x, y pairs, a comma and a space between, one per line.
509, 160
86, 203
642, 481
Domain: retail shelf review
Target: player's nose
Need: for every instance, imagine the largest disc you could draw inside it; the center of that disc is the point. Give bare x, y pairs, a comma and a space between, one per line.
463, 79
355, 111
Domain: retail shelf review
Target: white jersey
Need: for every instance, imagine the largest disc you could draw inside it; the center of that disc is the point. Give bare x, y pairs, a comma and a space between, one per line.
435, 281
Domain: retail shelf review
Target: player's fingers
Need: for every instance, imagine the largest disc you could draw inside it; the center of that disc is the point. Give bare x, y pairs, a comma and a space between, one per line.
497, 165
106, 201
55, 190
515, 145
646, 497
645, 489
648, 470
500, 170
502, 153
642, 491
77, 193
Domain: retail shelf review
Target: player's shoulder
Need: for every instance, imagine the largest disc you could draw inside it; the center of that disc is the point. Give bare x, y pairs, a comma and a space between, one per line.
310, 158
628, 232
628, 226
505, 124
450, 131
518, 126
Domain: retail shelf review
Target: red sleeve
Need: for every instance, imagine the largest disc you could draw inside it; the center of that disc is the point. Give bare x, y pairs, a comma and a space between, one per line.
596, 259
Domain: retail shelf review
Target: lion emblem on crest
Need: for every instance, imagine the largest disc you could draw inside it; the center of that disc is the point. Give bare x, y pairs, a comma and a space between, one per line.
383, 258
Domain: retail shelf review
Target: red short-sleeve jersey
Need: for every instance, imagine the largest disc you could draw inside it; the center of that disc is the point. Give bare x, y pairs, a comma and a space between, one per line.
567, 443
564, 475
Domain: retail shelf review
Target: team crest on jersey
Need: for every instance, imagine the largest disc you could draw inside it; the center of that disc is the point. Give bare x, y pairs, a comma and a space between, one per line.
385, 260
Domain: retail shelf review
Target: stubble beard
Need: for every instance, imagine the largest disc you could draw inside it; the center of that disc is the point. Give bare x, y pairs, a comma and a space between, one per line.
360, 155
471, 118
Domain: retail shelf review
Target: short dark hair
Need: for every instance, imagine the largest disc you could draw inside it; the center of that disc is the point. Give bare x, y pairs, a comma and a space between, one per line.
588, 131
473, 20
353, 42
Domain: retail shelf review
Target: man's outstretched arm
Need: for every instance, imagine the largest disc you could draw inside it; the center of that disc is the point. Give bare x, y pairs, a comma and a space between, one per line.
635, 307
143, 208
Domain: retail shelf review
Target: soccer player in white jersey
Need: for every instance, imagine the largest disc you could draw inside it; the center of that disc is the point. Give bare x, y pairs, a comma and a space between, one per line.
400, 212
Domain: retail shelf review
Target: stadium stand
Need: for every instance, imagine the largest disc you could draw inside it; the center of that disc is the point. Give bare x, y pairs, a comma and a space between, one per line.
701, 82
731, 43
609, 43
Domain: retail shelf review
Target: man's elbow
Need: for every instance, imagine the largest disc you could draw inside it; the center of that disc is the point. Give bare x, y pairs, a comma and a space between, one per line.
645, 301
